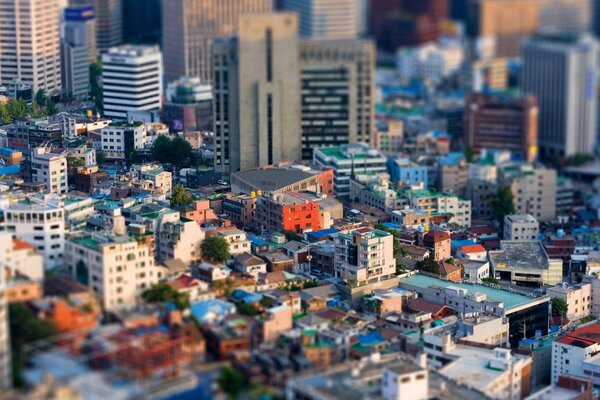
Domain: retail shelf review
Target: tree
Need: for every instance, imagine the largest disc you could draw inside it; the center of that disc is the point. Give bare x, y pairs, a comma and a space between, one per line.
231, 381
25, 327
100, 157
17, 109
180, 196
135, 157
503, 203
469, 154
559, 307
215, 249
428, 265
40, 98
95, 88
399, 251
177, 151
5, 117
162, 293
73, 163
51, 107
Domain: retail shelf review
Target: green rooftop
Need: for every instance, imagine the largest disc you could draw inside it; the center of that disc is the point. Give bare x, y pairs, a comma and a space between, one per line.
336, 153
509, 299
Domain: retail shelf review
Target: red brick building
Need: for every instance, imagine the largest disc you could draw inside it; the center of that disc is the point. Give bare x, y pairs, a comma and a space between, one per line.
288, 212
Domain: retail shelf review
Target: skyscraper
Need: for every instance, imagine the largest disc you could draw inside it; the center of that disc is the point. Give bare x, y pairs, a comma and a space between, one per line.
142, 21
189, 27
560, 70
109, 22
338, 81
132, 80
326, 19
565, 15
78, 49
25, 53
256, 93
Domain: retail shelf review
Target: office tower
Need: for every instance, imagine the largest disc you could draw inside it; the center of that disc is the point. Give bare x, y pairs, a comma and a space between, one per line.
190, 26
256, 93
502, 122
132, 80
326, 19
398, 23
500, 25
565, 15
142, 21
560, 70
78, 49
109, 22
338, 80
25, 53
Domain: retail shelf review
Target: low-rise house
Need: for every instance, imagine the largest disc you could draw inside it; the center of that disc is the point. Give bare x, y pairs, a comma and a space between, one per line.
249, 264
232, 334
439, 242
285, 297
278, 261
450, 272
474, 252
273, 322
577, 297
194, 288
210, 273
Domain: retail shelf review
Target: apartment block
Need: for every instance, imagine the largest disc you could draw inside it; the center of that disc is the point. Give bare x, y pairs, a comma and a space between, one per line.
521, 227
50, 169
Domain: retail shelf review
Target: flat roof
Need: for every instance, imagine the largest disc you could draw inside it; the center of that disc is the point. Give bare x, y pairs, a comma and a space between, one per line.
272, 178
523, 254
509, 299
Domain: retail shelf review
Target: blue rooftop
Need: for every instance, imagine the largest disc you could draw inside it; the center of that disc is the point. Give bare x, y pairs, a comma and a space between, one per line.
392, 225
452, 159
370, 338
216, 307
245, 297
10, 170
509, 299
5, 151
316, 235
456, 244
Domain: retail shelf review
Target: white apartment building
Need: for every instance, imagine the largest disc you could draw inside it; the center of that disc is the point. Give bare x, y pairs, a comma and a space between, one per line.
131, 80
40, 223
521, 227
30, 37
431, 61
578, 298
20, 258
178, 239
364, 255
238, 241
119, 140
117, 268
457, 208
51, 169
156, 175
571, 352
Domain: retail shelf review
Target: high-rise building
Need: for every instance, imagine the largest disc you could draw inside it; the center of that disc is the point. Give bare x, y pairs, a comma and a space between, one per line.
109, 22
132, 80
338, 81
560, 70
565, 15
190, 26
188, 105
494, 121
256, 93
502, 24
78, 49
326, 19
142, 21
398, 23
30, 44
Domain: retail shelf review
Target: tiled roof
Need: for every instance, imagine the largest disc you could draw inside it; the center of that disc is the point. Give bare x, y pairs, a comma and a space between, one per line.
477, 248
583, 337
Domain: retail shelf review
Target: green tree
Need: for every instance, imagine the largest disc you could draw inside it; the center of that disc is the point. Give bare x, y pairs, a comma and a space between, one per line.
100, 157
40, 98
491, 280
399, 251
180, 196
25, 327
161, 149
135, 157
5, 117
95, 88
161, 293
559, 307
428, 265
51, 107
17, 109
215, 249
177, 151
503, 203
73, 163
469, 154
231, 381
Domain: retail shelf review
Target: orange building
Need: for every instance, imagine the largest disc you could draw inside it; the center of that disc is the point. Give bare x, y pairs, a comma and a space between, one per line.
288, 212
67, 316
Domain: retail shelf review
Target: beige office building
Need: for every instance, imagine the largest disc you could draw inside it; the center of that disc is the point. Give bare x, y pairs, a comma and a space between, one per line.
338, 82
256, 93
30, 43
189, 27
